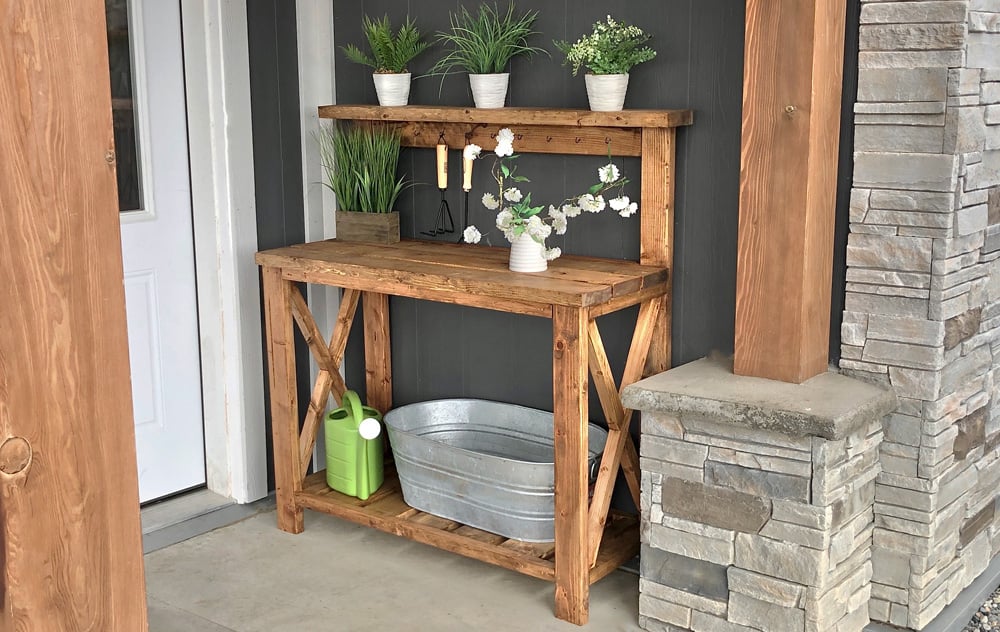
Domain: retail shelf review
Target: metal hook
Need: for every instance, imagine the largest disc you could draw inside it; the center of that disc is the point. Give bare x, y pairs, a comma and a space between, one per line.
578, 140
548, 139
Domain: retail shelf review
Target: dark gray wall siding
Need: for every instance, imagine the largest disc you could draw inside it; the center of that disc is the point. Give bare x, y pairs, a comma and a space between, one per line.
277, 154
441, 350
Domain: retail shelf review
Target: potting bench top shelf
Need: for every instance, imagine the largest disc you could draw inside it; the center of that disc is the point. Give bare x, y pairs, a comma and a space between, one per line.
539, 130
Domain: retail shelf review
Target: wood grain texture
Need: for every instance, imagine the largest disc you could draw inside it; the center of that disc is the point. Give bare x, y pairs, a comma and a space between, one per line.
531, 139
378, 351
377, 228
569, 410
657, 239
284, 398
791, 110
70, 538
506, 116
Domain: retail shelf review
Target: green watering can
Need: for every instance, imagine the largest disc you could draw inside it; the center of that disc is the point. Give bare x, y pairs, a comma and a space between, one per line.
354, 448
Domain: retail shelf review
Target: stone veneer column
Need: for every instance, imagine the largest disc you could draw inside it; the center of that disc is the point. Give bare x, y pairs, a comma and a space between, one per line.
756, 500
922, 308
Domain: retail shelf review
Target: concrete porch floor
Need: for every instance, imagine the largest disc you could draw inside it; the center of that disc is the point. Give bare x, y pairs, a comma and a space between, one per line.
250, 577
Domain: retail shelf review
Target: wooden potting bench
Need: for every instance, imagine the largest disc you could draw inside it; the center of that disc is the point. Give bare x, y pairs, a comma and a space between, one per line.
590, 540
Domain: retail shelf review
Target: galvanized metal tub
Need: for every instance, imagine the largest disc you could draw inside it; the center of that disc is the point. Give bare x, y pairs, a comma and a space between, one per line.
485, 464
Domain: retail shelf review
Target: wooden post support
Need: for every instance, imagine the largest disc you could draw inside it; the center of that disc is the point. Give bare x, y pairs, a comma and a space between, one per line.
657, 215
569, 409
788, 181
284, 398
378, 354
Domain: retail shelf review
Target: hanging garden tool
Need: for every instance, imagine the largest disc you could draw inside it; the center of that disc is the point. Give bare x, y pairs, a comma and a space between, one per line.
445, 224
466, 187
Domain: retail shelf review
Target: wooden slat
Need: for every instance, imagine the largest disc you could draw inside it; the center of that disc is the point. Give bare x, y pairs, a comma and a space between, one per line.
642, 337
791, 131
569, 407
342, 328
447, 540
621, 302
604, 382
314, 417
284, 399
509, 116
657, 214
386, 511
70, 535
378, 355
540, 139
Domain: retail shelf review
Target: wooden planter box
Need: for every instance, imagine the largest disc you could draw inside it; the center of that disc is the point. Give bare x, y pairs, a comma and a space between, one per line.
378, 228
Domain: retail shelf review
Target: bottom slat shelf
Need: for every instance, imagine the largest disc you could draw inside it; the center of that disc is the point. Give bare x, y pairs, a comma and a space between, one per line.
386, 511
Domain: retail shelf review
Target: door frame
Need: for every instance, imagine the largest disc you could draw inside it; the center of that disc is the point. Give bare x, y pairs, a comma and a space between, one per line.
217, 82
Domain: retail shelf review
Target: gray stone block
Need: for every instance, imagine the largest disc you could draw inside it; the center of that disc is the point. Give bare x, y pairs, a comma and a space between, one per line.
760, 461
673, 451
681, 598
911, 59
701, 622
983, 50
788, 532
889, 277
907, 355
990, 93
749, 611
784, 560
963, 81
924, 172
971, 220
891, 290
982, 22
915, 383
898, 138
765, 588
908, 330
961, 327
757, 482
977, 524
924, 201
715, 506
691, 545
965, 129
905, 107
985, 174
971, 432
907, 12
803, 514
912, 37
993, 115
903, 84
690, 575
670, 613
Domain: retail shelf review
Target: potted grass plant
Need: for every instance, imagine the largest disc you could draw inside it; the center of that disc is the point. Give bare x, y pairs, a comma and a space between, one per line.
390, 55
360, 163
609, 52
483, 43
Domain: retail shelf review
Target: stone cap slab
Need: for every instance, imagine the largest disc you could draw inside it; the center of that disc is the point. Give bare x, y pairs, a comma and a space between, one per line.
829, 405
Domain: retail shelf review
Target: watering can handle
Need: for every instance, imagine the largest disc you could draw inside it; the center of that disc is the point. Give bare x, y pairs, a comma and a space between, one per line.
350, 398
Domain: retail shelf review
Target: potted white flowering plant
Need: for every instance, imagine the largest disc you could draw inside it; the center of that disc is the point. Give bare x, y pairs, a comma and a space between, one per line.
523, 223
609, 52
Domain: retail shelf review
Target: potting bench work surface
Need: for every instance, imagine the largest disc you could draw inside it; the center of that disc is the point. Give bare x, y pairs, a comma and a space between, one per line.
591, 541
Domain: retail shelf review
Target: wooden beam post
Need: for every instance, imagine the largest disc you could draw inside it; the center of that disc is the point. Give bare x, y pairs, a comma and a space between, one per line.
788, 178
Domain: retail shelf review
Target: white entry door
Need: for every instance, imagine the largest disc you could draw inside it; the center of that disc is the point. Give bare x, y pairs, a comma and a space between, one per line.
157, 243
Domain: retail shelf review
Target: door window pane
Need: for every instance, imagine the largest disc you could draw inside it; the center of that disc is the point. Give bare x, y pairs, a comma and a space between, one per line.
122, 106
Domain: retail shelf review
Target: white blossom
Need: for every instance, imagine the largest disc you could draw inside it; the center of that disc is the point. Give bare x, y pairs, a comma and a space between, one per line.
538, 229
490, 201
619, 203
505, 143
608, 173
552, 253
559, 222
591, 204
629, 210
472, 235
512, 194
504, 218
471, 151
571, 210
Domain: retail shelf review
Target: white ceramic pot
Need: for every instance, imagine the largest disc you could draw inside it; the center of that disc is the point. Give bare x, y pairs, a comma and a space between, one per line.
607, 92
392, 88
527, 255
489, 91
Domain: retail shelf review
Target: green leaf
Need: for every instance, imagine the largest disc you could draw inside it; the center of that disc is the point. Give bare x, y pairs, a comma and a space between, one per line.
594, 189
520, 179
505, 170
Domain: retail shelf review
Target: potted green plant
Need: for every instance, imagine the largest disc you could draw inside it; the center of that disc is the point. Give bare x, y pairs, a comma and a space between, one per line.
360, 164
609, 52
390, 55
483, 44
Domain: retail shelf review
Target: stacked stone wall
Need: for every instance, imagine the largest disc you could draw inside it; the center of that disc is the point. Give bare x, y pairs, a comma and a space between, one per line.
922, 311
746, 529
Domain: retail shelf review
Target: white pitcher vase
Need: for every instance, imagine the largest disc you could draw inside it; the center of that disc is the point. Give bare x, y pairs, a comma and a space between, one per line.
527, 255
607, 92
